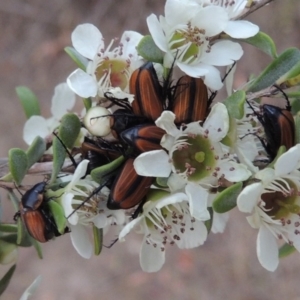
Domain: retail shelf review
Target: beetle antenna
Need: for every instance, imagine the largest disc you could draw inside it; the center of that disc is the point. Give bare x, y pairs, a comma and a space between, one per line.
214, 94
18, 189
120, 102
66, 149
95, 191
288, 106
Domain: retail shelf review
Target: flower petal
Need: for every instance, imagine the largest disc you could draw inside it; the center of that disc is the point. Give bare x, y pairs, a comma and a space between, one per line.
151, 258
166, 122
249, 197
267, 249
223, 53
87, 40
31, 289
35, 126
157, 32
212, 78
80, 241
288, 161
130, 40
241, 29
82, 84
128, 227
217, 122
219, 222
198, 197
233, 171
72, 216
63, 100
153, 164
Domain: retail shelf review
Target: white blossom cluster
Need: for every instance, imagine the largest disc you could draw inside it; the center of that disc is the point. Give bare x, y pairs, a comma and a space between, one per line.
198, 160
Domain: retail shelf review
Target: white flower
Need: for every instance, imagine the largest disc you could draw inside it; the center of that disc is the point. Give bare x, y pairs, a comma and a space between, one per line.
31, 289
194, 152
239, 29
167, 220
274, 204
106, 68
186, 35
63, 101
93, 211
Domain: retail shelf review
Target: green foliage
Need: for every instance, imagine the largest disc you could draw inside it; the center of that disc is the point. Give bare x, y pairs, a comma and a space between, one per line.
286, 250
28, 101
4, 282
18, 164
149, 51
263, 42
98, 240
79, 60
278, 67
235, 104
68, 132
226, 200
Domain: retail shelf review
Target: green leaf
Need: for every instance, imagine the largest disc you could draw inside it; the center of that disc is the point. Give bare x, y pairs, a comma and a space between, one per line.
58, 215
99, 174
68, 132
263, 42
162, 181
69, 129
29, 101
18, 164
98, 240
297, 127
8, 228
208, 223
4, 282
226, 200
87, 102
290, 78
13, 239
37, 247
149, 51
281, 65
235, 104
80, 61
36, 150
286, 250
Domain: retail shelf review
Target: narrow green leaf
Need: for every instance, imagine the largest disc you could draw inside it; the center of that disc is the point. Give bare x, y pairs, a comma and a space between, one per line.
4, 282
98, 239
13, 239
162, 181
235, 104
297, 127
29, 101
149, 51
226, 200
36, 150
58, 215
99, 174
8, 228
18, 164
37, 247
286, 250
87, 102
295, 106
208, 223
68, 132
80, 61
263, 42
282, 64
290, 78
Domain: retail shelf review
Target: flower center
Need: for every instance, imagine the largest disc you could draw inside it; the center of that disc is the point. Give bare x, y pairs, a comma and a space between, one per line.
114, 72
189, 43
193, 157
281, 203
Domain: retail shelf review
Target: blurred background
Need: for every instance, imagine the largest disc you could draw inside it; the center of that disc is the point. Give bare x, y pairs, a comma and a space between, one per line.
32, 38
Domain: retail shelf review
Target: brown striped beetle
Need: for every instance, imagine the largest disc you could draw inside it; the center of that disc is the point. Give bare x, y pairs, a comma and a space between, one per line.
279, 126
36, 215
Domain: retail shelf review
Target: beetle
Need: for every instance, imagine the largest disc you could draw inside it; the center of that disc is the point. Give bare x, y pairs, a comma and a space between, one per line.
36, 216
190, 100
279, 126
